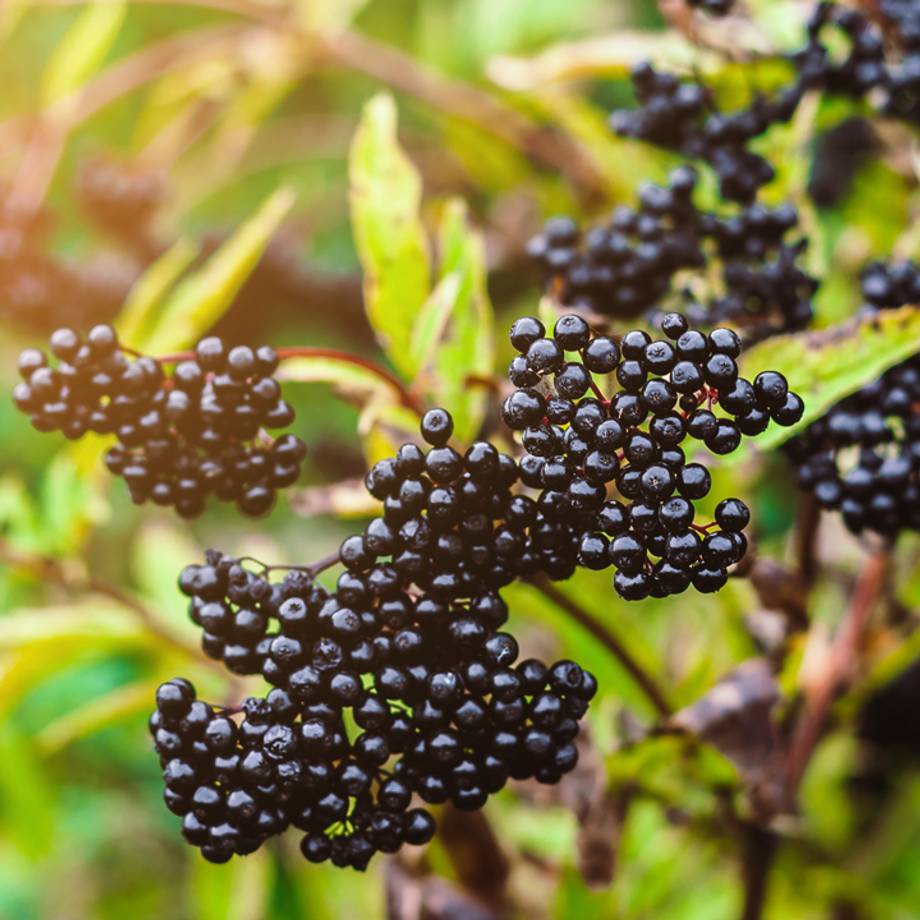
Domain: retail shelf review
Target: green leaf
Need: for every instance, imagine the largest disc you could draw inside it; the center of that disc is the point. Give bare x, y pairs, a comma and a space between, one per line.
94, 714
385, 195
161, 549
349, 377
454, 333
139, 313
329, 14
240, 892
27, 796
65, 505
823, 367
433, 318
201, 300
83, 49
19, 519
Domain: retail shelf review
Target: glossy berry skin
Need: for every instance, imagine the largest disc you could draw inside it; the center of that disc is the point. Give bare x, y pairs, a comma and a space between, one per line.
409, 648
182, 436
616, 489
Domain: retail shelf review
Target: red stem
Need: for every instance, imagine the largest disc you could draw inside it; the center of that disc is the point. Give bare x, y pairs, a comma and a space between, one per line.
406, 397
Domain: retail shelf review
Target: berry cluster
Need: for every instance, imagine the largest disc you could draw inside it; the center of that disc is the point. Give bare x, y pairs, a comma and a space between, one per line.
862, 457
450, 523
890, 284
629, 265
712, 7
683, 116
442, 710
121, 200
236, 783
579, 443
39, 290
840, 153
183, 436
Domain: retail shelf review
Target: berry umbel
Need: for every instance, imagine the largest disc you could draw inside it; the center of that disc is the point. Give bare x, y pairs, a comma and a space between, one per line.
195, 430
609, 465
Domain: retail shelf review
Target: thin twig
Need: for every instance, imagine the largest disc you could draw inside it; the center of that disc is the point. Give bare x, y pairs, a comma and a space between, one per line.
806, 539
758, 853
610, 641
820, 694
545, 144
51, 570
327, 562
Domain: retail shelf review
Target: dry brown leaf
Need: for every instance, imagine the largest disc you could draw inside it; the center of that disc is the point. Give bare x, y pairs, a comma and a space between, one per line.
427, 897
736, 717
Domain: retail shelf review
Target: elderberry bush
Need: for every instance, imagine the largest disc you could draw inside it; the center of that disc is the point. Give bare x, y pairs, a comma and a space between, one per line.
183, 435
442, 708
610, 466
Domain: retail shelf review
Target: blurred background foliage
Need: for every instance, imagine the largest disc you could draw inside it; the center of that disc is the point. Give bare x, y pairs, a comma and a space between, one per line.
284, 163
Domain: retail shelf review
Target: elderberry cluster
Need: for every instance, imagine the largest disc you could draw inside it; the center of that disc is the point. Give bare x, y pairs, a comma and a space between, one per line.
441, 708
121, 200
684, 117
712, 7
237, 782
890, 284
629, 265
580, 444
862, 458
182, 436
38, 290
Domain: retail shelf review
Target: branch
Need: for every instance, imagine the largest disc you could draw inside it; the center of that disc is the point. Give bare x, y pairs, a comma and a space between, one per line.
603, 634
47, 569
545, 144
807, 524
820, 693
44, 135
758, 853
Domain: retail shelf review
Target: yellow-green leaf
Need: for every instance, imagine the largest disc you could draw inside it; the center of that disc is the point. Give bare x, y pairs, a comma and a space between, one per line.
83, 48
200, 300
241, 894
329, 14
385, 194
453, 335
139, 313
349, 377
94, 714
